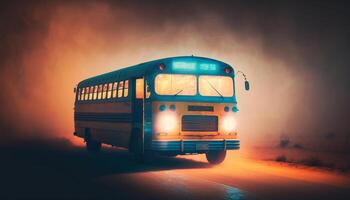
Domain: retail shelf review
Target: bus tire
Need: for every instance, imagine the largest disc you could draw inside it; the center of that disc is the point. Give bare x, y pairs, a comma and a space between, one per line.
135, 145
170, 155
147, 157
216, 157
91, 144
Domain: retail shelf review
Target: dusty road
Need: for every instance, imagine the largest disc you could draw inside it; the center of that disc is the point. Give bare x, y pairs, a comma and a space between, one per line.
61, 171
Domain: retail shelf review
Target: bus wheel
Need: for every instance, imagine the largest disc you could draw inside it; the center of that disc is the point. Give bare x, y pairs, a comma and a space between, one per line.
135, 145
215, 157
148, 157
93, 146
170, 155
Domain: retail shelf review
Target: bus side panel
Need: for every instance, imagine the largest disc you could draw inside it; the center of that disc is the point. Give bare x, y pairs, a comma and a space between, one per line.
109, 122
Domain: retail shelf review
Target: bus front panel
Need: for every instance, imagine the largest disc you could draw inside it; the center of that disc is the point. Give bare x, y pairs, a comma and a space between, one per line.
193, 127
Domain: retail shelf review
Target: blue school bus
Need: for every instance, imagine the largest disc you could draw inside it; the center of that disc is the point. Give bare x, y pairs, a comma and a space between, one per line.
171, 106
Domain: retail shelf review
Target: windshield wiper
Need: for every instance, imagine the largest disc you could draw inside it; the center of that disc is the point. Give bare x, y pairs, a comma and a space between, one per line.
215, 89
178, 92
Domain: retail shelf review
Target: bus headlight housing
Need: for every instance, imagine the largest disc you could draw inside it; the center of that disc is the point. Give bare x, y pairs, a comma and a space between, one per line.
229, 123
166, 122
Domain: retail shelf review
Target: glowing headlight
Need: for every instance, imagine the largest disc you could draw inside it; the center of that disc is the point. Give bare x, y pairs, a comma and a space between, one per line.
166, 122
229, 123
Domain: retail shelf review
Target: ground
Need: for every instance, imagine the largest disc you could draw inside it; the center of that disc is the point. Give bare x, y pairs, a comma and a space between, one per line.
60, 170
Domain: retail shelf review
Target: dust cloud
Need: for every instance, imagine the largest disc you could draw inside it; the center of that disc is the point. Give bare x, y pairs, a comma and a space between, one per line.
298, 84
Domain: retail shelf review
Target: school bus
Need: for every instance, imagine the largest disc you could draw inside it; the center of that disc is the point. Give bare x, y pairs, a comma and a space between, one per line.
171, 106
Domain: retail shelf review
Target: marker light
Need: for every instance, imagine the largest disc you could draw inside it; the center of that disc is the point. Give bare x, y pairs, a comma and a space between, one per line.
228, 123
161, 66
227, 70
162, 107
165, 122
234, 109
172, 107
226, 108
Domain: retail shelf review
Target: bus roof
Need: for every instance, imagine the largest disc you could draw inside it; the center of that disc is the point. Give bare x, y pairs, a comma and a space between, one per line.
136, 70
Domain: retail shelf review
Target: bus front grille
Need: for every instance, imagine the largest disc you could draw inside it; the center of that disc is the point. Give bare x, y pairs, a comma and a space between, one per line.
199, 123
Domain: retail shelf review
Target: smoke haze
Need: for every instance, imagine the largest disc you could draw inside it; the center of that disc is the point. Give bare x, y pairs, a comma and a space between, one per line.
295, 56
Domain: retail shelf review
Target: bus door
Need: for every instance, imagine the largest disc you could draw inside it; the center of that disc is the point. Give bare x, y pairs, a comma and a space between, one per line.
138, 104
142, 111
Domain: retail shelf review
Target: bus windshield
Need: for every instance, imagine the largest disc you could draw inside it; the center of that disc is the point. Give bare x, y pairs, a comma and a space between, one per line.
176, 84
216, 86
179, 84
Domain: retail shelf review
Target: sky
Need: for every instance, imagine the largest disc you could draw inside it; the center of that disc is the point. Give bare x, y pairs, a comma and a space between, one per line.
295, 55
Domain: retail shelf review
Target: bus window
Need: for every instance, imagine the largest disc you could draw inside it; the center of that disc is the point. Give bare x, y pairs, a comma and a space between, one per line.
78, 94
139, 88
175, 84
82, 94
104, 93
126, 86
95, 92
87, 93
109, 93
114, 95
91, 92
216, 86
120, 89
99, 92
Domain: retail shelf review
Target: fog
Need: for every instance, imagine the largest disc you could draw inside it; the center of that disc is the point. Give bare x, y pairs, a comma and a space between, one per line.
294, 57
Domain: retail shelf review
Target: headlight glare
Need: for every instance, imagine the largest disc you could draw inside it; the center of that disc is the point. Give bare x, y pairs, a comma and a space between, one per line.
166, 122
229, 123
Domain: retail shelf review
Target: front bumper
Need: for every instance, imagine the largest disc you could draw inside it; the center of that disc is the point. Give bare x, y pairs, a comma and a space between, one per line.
194, 146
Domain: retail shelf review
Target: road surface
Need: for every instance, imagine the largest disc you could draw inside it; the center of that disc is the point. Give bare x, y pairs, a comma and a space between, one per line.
36, 171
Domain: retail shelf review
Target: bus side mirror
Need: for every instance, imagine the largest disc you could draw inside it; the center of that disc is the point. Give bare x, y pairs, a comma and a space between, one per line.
75, 90
247, 86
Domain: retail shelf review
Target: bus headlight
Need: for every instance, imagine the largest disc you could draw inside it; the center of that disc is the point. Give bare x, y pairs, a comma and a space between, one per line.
229, 123
166, 122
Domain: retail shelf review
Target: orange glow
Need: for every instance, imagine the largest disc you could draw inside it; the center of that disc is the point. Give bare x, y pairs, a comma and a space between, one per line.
229, 123
60, 52
139, 88
171, 84
126, 86
109, 93
114, 95
166, 122
209, 84
237, 166
120, 88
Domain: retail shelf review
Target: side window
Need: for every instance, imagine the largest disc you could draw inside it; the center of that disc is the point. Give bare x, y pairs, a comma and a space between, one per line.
126, 88
99, 92
104, 93
91, 92
78, 94
139, 88
95, 92
82, 94
120, 88
114, 93
87, 93
109, 93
